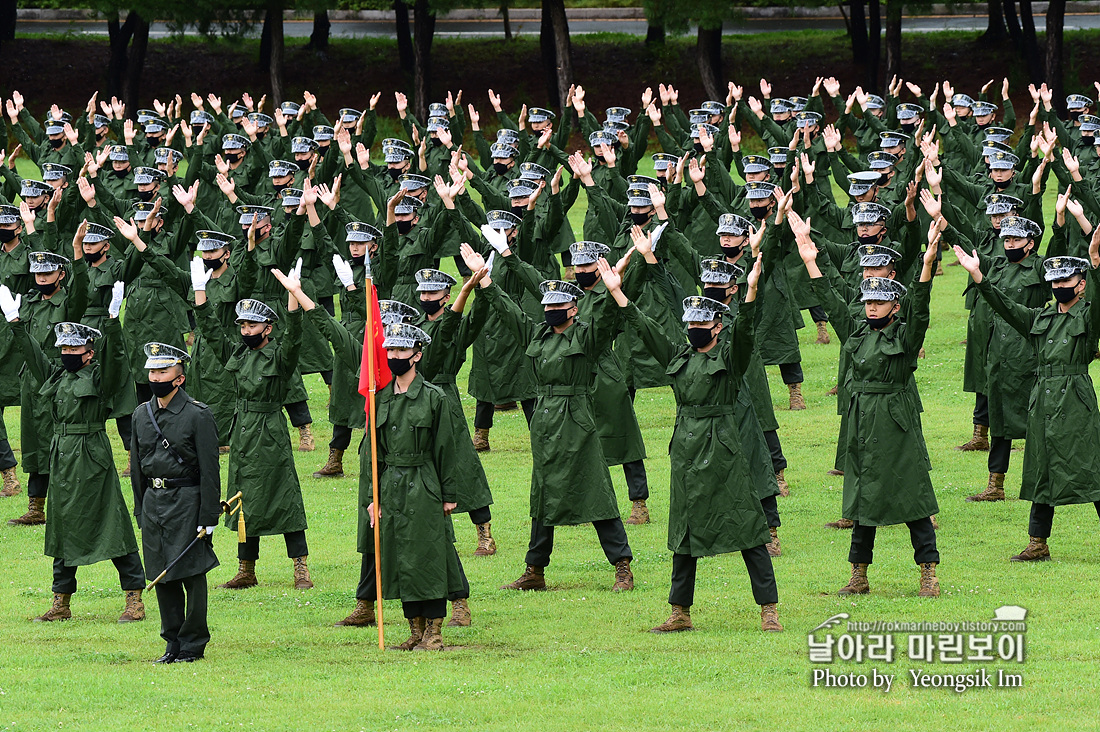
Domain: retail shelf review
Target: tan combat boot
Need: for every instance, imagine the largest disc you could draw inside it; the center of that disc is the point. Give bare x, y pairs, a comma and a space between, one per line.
639, 514
775, 549
680, 620
135, 608
35, 515
506, 407
835, 472
481, 439
361, 616
840, 523
432, 640
769, 618
302, 580
59, 609
994, 491
126, 471
832, 392
223, 450
929, 583
979, 442
858, 584
245, 577
11, 483
486, 544
305, 439
531, 579
797, 402
781, 481
460, 614
1036, 551
334, 468
624, 578
822, 335
416, 632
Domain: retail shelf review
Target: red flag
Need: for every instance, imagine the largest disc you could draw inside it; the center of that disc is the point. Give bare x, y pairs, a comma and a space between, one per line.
374, 339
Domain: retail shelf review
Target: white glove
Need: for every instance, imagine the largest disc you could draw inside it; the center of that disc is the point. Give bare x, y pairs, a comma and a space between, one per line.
209, 530
297, 271
497, 239
9, 304
489, 262
200, 275
655, 237
343, 270
115, 306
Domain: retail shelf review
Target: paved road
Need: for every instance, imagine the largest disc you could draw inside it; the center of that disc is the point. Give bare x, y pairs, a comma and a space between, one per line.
494, 28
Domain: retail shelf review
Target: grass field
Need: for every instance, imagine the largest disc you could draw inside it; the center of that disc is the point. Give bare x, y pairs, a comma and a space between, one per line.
578, 656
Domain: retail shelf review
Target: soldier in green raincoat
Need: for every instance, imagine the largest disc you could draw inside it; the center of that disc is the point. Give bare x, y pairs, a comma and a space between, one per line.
261, 464
88, 521
714, 507
1061, 462
886, 471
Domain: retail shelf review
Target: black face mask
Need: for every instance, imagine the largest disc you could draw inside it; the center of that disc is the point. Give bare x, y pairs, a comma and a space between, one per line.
394, 173
234, 159
279, 186
908, 127
404, 227
436, 142
982, 126
869, 239
147, 196
556, 318
93, 257
162, 388
519, 210
698, 147
253, 341
759, 212
7, 236
586, 280
211, 264
733, 252
47, 289
715, 293
56, 144
100, 136
358, 260
879, 323
883, 179
431, 307
261, 135
700, 337
1064, 294
500, 168
72, 362
639, 219
1016, 255
399, 366
1087, 139
1001, 185
120, 173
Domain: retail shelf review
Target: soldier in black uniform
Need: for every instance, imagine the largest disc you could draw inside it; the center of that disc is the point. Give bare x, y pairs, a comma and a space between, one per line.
177, 485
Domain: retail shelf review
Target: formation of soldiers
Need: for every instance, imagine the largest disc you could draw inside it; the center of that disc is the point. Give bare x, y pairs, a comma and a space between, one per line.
219, 247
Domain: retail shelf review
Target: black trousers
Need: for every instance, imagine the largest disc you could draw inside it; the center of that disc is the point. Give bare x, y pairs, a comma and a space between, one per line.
298, 412
296, 546
611, 532
483, 413
775, 447
341, 437
430, 609
921, 534
183, 606
1000, 449
326, 376
481, 515
366, 589
123, 425
791, 372
637, 485
329, 304
757, 562
7, 457
818, 314
131, 575
1042, 519
771, 511
460, 265
981, 410
38, 485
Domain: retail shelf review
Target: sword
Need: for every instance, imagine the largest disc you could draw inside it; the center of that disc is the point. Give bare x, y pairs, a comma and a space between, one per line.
234, 505
202, 533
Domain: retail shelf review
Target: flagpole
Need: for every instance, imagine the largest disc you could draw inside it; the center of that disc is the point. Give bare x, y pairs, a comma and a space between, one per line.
372, 381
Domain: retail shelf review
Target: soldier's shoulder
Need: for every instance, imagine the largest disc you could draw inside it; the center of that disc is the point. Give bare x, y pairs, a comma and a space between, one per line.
197, 403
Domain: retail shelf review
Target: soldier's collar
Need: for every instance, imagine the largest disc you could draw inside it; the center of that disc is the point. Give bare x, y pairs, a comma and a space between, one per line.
414, 388
178, 402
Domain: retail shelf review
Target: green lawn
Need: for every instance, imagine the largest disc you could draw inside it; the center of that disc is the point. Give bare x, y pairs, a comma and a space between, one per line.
579, 657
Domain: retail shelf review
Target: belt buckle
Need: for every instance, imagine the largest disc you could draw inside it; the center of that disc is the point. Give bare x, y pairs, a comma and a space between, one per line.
158, 483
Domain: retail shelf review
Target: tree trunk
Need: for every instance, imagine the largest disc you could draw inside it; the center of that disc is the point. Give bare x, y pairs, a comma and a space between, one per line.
404, 38
136, 64
995, 31
275, 68
874, 45
1012, 22
560, 73
318, 39
654, 35
507, 20
1056, 20
549, 59
7, 20
119, 35
893, 38
857, 32
1031, 43
423, 32
265, 43
708, 57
